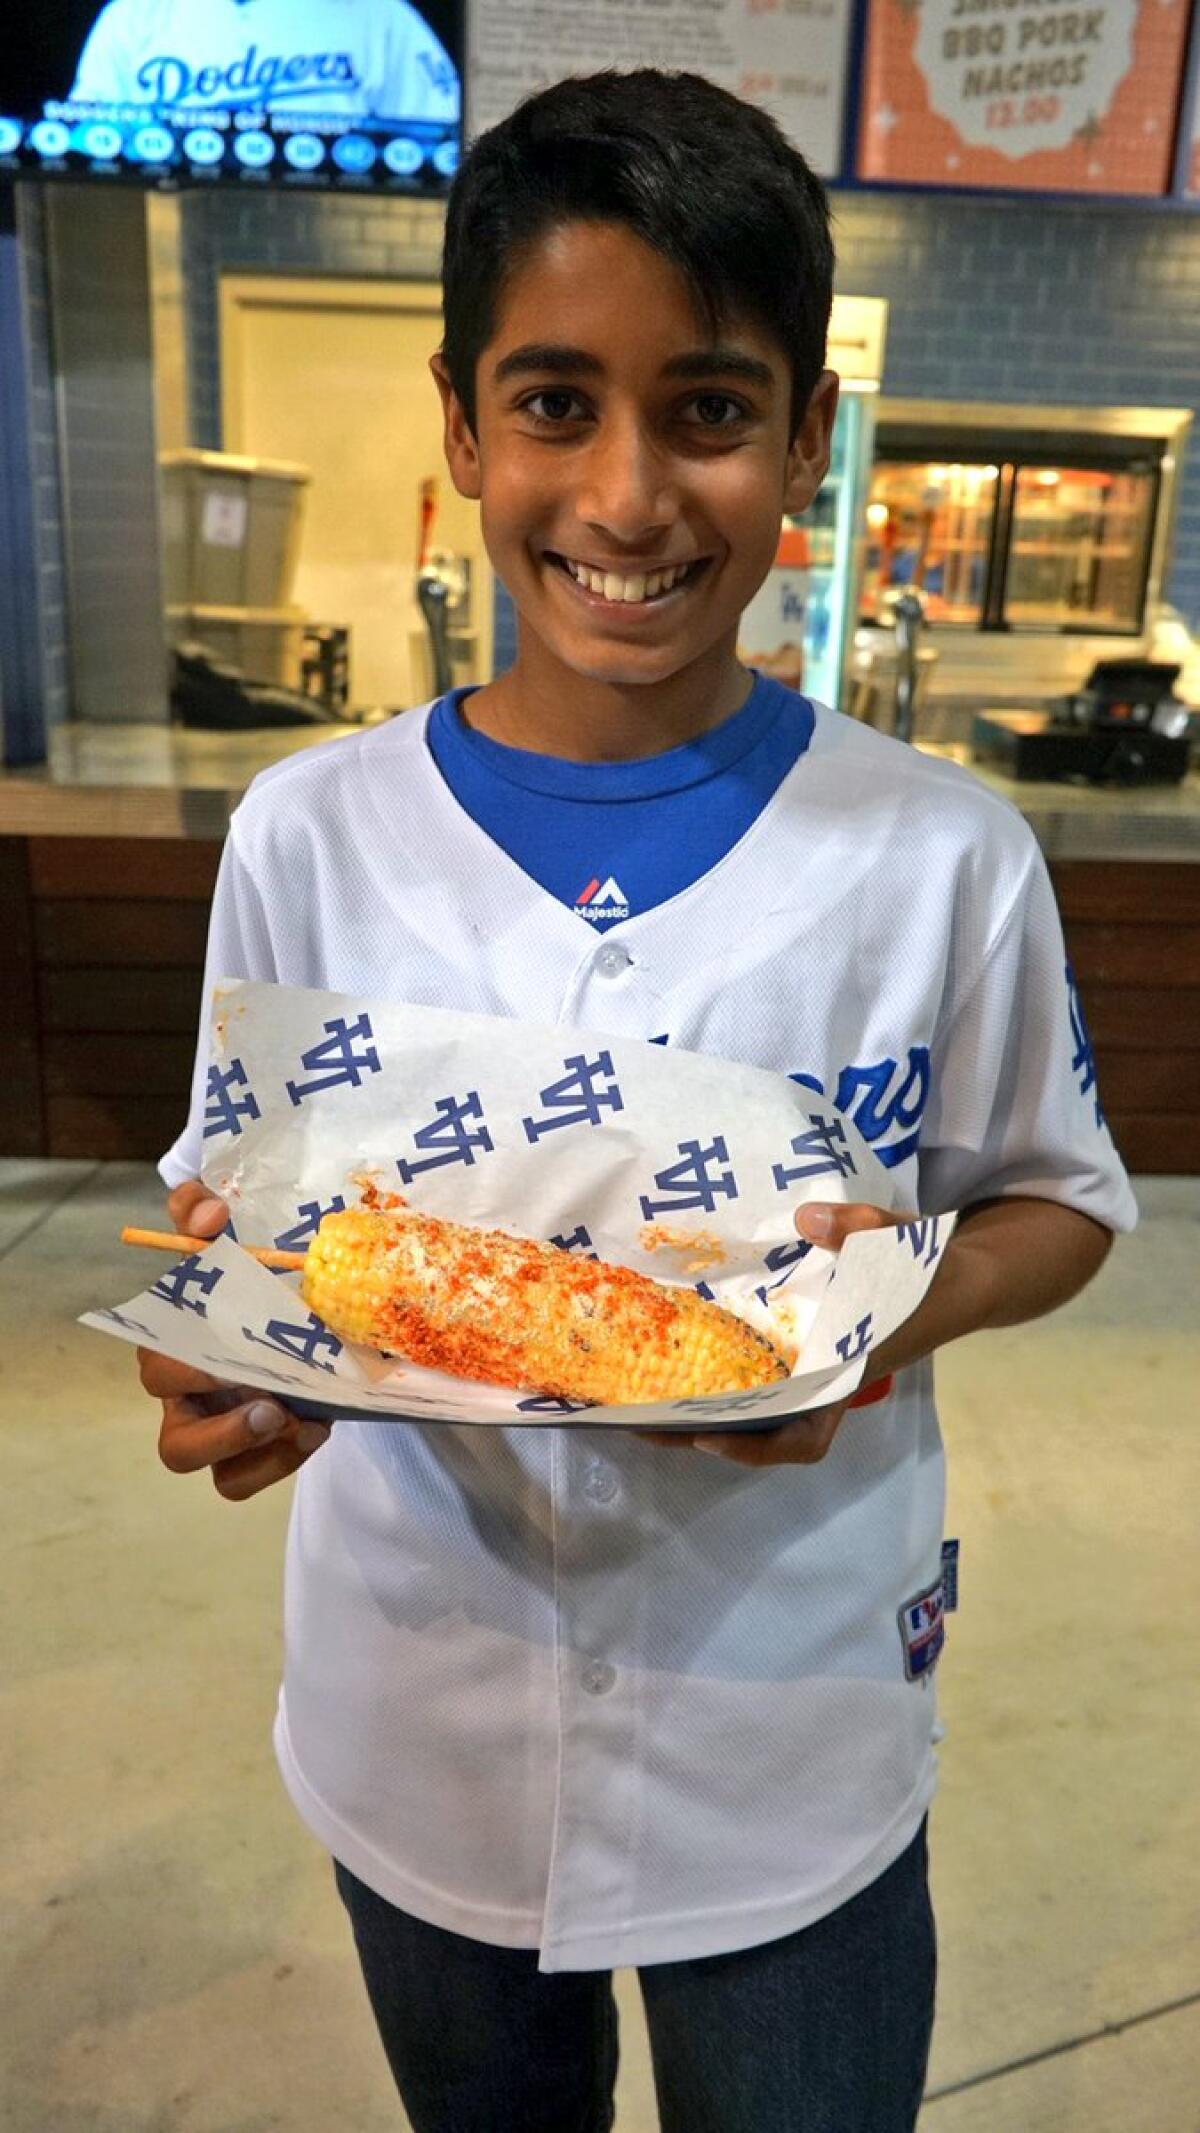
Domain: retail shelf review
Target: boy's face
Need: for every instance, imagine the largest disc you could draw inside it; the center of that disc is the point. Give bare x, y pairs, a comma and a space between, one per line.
613, 443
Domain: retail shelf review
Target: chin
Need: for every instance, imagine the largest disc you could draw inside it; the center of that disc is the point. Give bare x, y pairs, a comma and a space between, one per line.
634, 675
628, 666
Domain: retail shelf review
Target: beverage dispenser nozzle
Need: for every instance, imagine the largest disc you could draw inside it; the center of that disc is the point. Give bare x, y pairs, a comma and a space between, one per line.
909, 613
433, 593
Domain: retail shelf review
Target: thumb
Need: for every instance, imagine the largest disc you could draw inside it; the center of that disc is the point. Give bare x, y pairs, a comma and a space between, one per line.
829, 1224
208, 1217
196, 1210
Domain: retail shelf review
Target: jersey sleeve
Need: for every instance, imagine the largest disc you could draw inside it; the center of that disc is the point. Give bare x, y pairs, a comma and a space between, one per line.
239, 946
105, 71
1014, 1106
421, 80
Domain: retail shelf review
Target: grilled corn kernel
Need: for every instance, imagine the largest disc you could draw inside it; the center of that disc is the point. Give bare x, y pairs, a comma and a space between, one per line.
510, 1311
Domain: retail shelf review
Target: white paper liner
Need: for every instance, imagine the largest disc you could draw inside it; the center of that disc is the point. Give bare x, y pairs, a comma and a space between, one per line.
604, 1144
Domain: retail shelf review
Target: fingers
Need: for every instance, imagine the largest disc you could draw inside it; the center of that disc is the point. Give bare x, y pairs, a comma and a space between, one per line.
802, 1441
248, 1445
195, 1211
193, 1436
246, 1439
829, 1225
238, 1479
164, 1378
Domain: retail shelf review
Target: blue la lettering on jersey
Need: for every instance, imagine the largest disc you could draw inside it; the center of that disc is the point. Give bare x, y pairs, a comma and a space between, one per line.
886, 1099
613, 839
1083, 1060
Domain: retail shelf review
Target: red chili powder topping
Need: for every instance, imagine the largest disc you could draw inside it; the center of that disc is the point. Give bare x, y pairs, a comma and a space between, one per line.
373, 1196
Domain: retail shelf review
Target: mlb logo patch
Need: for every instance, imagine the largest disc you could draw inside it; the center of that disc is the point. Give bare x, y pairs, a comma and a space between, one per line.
923, 1630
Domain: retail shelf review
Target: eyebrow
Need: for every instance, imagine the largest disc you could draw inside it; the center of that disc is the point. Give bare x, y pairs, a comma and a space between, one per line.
561, 361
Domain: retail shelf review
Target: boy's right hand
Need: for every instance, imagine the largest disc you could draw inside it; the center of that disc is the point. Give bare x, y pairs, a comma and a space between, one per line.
246, 1437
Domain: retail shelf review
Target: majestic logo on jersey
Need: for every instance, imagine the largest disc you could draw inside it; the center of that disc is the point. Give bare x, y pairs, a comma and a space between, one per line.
922, 1623
167, 79
602, 899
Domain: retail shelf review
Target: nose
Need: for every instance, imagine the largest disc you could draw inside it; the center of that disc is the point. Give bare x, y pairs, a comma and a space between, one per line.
627, 490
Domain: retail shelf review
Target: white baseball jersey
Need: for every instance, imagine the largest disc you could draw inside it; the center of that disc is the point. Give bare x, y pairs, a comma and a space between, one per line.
356, 57
565, 1689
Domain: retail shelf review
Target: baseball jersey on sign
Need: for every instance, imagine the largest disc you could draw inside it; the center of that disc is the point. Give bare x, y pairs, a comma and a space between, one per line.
359, 58
564, 1689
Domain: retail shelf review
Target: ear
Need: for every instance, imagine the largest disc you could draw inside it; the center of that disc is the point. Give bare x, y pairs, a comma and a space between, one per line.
462, 452
808, 453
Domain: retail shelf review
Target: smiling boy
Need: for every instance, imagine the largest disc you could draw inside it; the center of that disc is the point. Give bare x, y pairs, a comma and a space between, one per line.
563, 1700
611, 440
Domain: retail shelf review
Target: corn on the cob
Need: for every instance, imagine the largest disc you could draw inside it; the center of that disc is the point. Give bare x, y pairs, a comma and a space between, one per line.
510, 1311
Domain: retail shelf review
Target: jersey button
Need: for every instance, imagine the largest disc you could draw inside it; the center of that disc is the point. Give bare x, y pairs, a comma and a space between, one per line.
599, 1485
598, 1677
612, 960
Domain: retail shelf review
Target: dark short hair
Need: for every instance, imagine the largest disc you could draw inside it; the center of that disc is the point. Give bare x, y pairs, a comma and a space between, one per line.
706, 179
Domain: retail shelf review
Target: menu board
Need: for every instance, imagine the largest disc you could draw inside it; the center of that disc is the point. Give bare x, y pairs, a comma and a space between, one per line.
789, 56
1041, 95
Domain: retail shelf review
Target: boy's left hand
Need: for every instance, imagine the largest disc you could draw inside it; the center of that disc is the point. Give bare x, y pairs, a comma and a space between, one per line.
807, 1437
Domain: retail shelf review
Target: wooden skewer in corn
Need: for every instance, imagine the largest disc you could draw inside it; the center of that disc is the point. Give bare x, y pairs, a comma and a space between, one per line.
161, 1240
511, 1311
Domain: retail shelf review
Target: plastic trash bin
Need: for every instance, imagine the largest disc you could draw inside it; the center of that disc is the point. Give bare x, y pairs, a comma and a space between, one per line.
231, 529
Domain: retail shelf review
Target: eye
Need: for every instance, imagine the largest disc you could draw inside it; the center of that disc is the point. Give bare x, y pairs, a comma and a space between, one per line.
719, 411
553, 404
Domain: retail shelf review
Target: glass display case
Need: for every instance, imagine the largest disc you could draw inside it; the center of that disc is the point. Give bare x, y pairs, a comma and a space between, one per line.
1038, 539
834, 524
801, 624
1079, 548
1014, 545
930, 527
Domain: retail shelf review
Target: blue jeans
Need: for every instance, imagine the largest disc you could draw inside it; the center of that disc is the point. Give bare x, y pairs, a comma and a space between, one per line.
825, 2031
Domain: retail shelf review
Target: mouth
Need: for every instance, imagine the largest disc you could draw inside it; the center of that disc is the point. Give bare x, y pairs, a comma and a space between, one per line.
628, 592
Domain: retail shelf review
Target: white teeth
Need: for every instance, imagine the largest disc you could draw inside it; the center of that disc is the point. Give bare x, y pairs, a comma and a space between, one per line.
642, 585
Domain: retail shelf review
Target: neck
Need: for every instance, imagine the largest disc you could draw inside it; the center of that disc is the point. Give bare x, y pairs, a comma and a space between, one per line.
545, 707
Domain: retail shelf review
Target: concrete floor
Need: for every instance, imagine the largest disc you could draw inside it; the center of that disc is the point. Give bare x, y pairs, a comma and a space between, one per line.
174, 1958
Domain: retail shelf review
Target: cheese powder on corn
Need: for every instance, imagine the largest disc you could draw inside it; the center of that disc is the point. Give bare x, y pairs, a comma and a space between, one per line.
511, 1311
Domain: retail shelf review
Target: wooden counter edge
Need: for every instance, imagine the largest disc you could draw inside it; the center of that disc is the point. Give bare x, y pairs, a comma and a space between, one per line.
29, 809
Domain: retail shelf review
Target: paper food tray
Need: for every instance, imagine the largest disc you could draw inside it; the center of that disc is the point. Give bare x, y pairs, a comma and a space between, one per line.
686, 1167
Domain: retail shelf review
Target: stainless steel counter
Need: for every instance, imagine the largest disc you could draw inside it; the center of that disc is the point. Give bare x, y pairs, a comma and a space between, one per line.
158, 781
1150, 822
143, 781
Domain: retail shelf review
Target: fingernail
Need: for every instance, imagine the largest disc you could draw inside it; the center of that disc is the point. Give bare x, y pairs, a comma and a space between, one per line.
817, 1223
209, 1214
705, 1444
311, 1436
264, 1419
